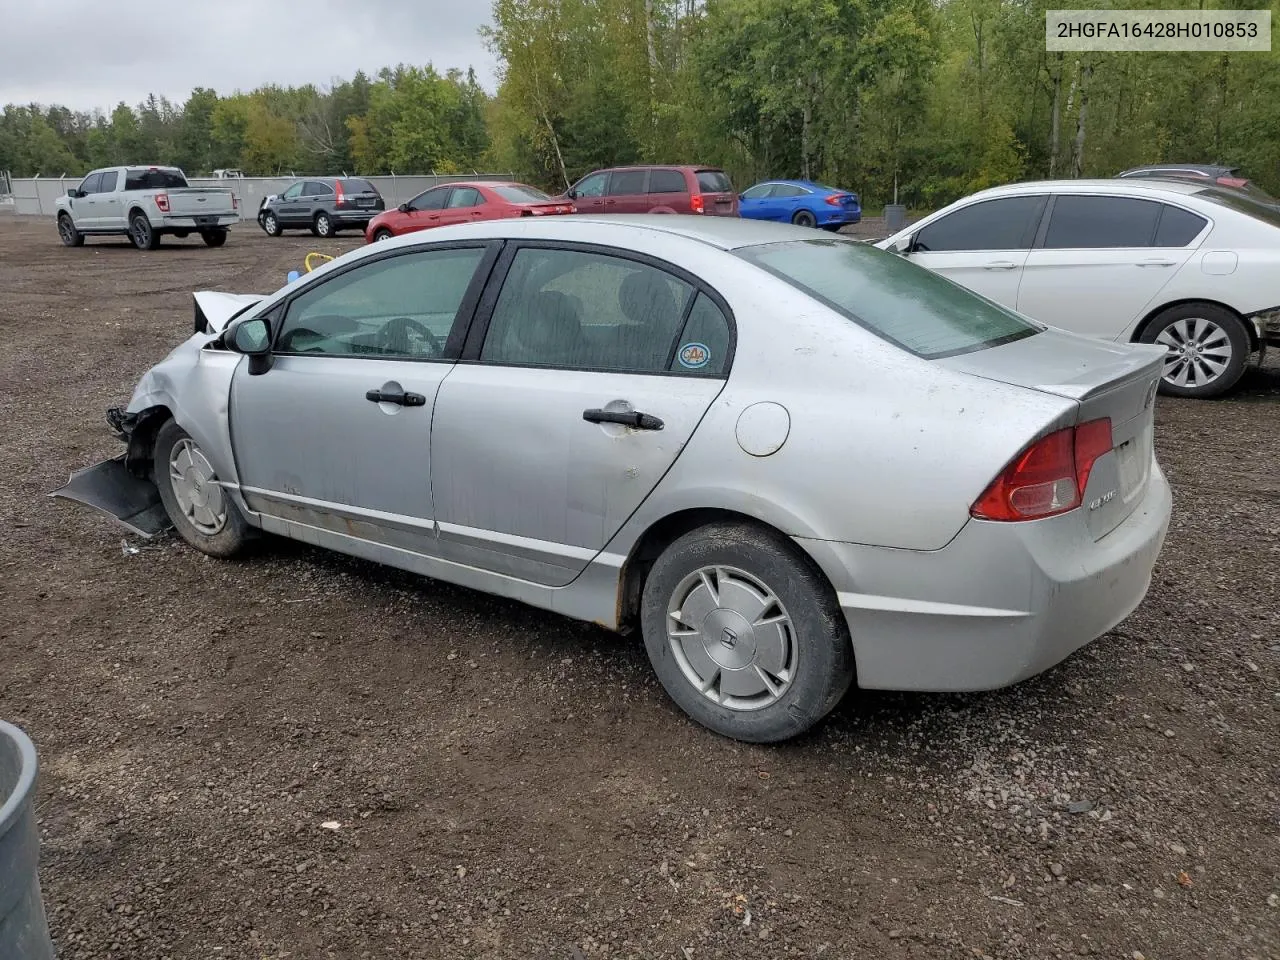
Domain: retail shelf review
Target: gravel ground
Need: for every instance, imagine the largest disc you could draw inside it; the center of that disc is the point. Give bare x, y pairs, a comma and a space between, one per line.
302, 755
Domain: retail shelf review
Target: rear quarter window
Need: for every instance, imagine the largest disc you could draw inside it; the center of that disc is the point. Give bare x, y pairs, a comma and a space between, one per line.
917, 309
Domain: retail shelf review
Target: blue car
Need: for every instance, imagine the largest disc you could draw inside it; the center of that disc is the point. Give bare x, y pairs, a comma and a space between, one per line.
800, 202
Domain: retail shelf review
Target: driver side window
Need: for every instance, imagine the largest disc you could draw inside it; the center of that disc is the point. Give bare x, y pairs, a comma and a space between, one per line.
592, 186
293, 192
395, 307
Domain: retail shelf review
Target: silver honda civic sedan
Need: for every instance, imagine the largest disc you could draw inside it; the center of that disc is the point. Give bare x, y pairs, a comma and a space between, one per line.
793, 461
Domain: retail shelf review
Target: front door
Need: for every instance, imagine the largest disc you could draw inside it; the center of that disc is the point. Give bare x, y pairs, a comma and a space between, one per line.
589, 194
425, 210
337, 434
290, 209
982, 246
1103, 260
84, 208
571, 404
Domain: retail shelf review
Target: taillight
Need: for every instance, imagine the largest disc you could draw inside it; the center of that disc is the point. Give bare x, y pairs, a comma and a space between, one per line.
835, 199
235, 202
341, 197
1047, 478
162, 202
697, 203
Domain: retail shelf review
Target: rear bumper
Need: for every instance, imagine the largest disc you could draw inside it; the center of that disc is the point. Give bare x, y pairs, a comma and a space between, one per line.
354, 218
211, 222
1000, 603
841, 217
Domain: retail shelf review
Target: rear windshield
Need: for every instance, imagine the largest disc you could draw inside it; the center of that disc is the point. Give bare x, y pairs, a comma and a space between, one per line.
521, 194
356, 185
1265, 211
154, 180
714, 181
917, 309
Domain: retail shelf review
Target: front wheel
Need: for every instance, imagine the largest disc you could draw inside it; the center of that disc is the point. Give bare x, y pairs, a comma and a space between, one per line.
200, 509
380, 235
270, 224
142, 234
745, 634
1208, 349
213, 238
67, 232
803, 218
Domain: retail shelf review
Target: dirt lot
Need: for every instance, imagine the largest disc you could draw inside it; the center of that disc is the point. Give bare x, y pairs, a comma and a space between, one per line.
511, 784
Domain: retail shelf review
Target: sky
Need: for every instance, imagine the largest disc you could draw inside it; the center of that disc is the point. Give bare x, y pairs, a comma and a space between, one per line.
108, 52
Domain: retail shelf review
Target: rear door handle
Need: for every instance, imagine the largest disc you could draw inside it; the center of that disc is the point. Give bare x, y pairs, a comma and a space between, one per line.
628, 418
1000, 265
402, 399
1156, 263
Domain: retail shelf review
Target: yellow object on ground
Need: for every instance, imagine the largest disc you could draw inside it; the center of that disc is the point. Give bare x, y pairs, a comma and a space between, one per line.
307, 261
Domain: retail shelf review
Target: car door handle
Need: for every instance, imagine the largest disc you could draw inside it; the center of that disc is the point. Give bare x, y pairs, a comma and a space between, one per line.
1155, 263
628, 418
1000, 265
402, 399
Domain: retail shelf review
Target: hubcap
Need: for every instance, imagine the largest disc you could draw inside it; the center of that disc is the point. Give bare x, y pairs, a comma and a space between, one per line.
195, 488
732, 638
1199, 351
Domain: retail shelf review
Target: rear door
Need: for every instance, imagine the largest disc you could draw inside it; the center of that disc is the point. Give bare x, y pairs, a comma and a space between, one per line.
785, 200
983, 245
534, 465
1098, 265
668, 191
718, 197
464, 205
628, 192
110, 209
319, 196
336, 435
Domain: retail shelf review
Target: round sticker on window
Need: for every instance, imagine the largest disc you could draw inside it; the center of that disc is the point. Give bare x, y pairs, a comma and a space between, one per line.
695, 356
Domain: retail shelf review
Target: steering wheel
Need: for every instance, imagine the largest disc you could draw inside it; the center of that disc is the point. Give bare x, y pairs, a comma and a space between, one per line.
395, 333
287, 341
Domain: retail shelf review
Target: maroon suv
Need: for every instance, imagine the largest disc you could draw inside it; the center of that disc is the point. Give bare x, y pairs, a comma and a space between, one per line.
655, 190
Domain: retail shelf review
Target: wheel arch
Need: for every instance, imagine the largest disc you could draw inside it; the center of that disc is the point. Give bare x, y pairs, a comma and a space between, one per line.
133, 211
664, 532
1250, 331
142, 438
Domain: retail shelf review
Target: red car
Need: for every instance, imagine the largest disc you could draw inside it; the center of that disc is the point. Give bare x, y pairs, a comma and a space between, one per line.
655, 189
452, 203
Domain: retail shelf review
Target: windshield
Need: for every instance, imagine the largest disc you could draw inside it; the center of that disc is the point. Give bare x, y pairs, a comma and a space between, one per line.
1267, 212
915, 308
521, 194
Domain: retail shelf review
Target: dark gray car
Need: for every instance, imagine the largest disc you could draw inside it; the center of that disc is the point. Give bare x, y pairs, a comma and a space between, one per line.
323, 205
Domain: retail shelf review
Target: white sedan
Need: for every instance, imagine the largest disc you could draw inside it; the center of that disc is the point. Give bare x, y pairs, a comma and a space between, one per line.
1192, 267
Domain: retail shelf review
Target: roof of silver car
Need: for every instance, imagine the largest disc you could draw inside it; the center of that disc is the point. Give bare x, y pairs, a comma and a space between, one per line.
727, 233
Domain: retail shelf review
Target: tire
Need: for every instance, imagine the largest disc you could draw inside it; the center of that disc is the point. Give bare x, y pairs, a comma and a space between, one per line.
757, 574
142, 234
383, 234
67, 232
213, 238
803, 218
322, 225
201, 512
270, 224
1208, 349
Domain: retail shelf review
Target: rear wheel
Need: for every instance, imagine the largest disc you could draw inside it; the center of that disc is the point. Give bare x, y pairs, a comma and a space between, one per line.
141, 232
745, 634
213, 238
67, 232
803, 218
200, 509
270, 224
323, 225
1208, 349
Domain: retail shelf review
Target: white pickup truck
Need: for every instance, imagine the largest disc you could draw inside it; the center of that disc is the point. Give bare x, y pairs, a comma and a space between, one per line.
144, 203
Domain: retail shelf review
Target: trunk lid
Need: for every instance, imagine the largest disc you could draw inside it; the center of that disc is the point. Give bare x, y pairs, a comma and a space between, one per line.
1113, 380
200, 202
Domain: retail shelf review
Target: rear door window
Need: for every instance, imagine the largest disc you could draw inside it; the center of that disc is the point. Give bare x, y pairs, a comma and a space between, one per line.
1090, 223
789, 190
109, 180
626, 183
714, 181
870, 287
465, 197
667, 181
1178, 227
1008, 223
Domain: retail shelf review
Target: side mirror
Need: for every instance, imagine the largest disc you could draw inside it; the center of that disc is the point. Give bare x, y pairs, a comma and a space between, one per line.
252, 337
404, 208
74, 193
571, 193
903, 246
